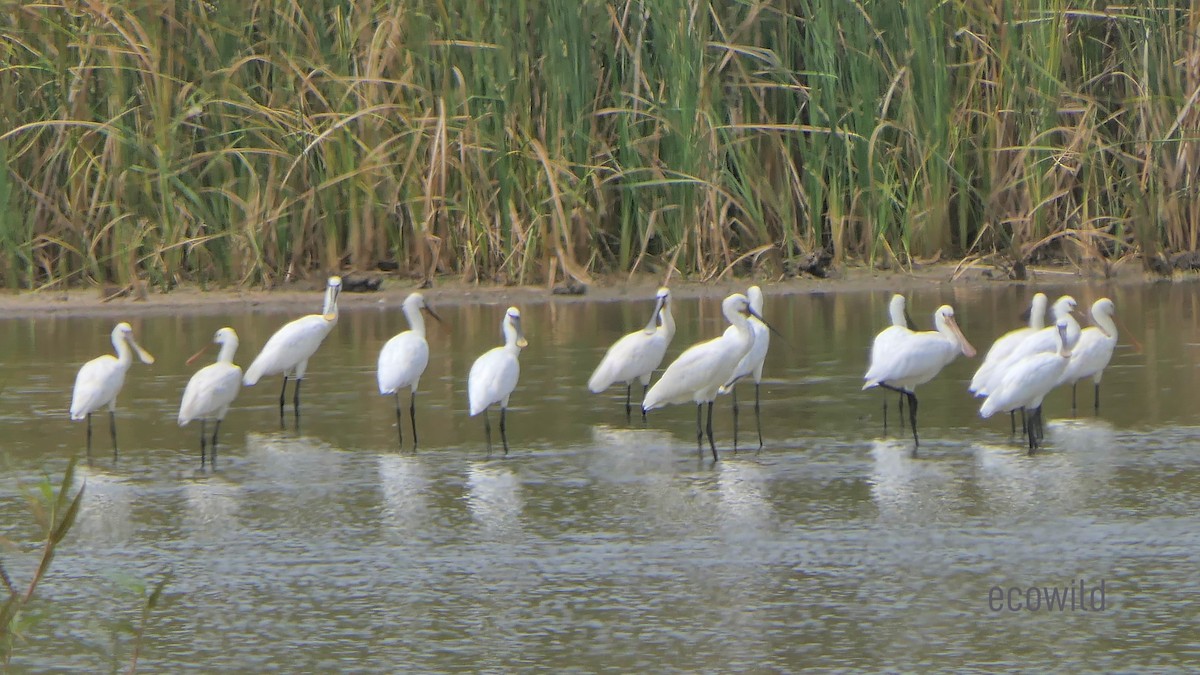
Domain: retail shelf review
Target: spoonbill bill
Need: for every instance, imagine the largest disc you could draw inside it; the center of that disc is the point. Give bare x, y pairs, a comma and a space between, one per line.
212, 389
288, 350
637, 355
701, 370
1026, 382
403, 359
916, 358
1091, 354
100, 380
494, 375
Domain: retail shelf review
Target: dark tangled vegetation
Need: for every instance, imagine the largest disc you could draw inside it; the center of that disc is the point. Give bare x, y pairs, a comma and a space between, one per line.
245, 141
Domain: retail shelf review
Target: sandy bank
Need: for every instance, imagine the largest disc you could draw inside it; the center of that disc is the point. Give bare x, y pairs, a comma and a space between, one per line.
450, 291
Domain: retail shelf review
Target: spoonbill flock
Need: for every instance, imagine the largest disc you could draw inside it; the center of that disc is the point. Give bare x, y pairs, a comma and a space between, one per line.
1018, 371
1020, 368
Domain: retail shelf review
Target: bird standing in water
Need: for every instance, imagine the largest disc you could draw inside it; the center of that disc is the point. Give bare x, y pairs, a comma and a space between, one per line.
700, 371
403, 359
494, 375
636, 355
917, 358
288, 350
101, 379
751, 364
212, 389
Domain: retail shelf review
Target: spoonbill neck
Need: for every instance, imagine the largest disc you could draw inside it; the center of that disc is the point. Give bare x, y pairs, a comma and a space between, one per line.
1037, 312
1104, 321
228, 349
512, 337
896, 311
330, 311
416, 322
124, 350
668, 321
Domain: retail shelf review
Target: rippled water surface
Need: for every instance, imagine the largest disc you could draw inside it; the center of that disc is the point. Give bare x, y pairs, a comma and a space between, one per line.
598, 544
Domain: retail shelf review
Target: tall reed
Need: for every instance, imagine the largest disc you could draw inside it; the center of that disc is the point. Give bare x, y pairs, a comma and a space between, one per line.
524, 141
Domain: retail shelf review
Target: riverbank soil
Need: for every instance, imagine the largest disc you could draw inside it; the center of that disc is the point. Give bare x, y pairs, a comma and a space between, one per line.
450, 291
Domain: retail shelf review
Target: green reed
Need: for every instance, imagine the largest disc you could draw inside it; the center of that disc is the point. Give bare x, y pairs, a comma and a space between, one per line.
521, 142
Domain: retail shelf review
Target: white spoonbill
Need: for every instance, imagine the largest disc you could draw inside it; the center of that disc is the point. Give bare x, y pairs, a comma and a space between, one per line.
494, 375
100, 380
212, 389
883, 343
1004, 345
916, 358
1026, 382
1044, 340
288, 350
638, 354
700, 371
751, 364
403, 359
1091, 354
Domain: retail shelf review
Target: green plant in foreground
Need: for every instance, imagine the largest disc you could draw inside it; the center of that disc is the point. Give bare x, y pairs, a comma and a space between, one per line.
54, 511
148, 598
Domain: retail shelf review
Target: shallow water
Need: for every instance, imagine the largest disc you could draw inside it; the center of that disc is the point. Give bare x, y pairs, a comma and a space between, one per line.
598, 544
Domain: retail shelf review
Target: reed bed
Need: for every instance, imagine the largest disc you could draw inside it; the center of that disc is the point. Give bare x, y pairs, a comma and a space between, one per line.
526, 141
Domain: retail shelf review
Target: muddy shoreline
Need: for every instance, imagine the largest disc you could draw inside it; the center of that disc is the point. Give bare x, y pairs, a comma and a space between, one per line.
451, 291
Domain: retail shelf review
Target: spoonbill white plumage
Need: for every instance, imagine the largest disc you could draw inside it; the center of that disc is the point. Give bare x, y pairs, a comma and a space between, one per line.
1024, 383
751, 364
212, 389
901, 326
1004, 345
494, 375
701, 370
403, 359
636, 355
916, 358
100, 380
1044, 340
1091, 354
288, 350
